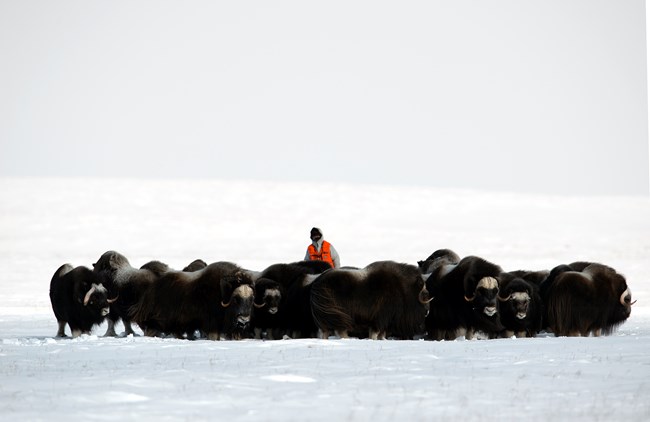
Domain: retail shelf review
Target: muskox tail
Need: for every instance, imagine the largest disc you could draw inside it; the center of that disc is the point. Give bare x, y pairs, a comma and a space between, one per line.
328, 313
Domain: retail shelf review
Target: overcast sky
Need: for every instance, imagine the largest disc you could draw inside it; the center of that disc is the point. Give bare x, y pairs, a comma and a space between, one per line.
528, 96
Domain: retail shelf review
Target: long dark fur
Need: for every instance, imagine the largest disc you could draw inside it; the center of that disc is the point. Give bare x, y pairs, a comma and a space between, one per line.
583, 298
451, 314
182, 302
68, 289
383, 298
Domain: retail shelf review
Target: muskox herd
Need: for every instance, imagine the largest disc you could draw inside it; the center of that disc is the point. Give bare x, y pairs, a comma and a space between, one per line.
441, 298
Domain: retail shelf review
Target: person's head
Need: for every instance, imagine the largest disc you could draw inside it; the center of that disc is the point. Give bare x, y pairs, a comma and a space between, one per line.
315, 234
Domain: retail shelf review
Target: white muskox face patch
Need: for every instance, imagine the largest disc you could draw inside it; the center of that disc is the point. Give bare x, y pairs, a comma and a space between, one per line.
488, 283
245, 291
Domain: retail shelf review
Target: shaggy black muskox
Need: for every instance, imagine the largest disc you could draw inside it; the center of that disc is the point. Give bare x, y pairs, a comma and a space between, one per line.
216, 300
521, 305
585, 298
384, 298
437, 259
464, 300
127, 283
288, 285
78, 299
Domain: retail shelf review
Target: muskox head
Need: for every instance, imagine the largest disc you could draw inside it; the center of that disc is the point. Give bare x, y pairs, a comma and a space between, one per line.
237, 297
92, 296
267, 295
517, 296
484, 296
623, 307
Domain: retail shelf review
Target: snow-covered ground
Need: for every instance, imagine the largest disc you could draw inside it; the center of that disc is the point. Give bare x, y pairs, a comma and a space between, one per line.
47, 222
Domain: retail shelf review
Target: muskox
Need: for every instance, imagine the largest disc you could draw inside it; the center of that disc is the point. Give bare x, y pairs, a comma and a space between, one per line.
79, 299
464, 300
288, 286
127, 283
521, 306
384, 298
216, 300
585, 298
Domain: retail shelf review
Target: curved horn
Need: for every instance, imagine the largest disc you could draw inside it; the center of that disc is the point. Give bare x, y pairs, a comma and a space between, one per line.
470, 299
504, 299
225, 305
112, 300
256, 305
421, 297
624, 295
90, 292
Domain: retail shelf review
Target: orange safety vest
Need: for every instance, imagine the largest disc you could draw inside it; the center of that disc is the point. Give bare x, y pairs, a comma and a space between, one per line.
324, 254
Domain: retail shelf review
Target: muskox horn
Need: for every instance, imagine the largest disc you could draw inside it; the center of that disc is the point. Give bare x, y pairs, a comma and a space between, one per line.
504, 299
90, 292
112, 300
225, 305
257, 306
470, 299
624, 295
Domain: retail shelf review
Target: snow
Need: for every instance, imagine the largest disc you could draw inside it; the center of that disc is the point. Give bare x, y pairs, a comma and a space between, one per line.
47, 222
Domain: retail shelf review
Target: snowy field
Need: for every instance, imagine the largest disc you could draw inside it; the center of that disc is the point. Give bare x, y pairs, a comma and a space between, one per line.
47, 222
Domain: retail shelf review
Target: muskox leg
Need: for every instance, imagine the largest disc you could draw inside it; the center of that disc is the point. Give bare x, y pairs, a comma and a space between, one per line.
508, 333
258, 333
150, 332
598, 332
110, 329
128, 329
468, 332
342, 333
214, 336
61, 330
76, 333
323, 334
376, 334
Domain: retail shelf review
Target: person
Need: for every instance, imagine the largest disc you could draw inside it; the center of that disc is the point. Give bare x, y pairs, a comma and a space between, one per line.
321, 250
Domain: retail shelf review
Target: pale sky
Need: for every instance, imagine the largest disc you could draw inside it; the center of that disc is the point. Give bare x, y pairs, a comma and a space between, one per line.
528, 96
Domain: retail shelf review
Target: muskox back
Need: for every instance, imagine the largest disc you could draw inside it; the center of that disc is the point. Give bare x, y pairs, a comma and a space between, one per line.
586, 298
215, 300
78, 299
197, 264
437, 259
383, 298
